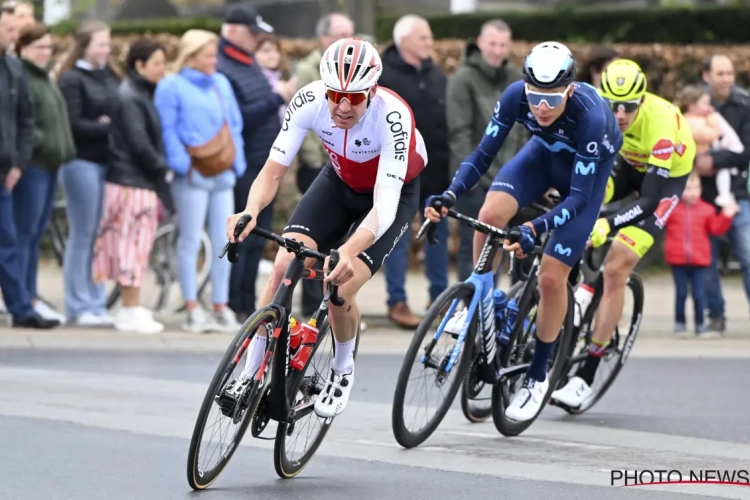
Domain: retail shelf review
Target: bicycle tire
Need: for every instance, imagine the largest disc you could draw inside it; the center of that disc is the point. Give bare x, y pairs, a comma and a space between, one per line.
200, 480
286, 468
636, 285
560, 356
472, 386
405, 437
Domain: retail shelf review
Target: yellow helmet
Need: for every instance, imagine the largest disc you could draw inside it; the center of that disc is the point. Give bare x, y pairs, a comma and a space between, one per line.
623, 80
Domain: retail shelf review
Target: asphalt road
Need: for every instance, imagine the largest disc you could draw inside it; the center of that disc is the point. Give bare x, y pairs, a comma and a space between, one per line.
116, 425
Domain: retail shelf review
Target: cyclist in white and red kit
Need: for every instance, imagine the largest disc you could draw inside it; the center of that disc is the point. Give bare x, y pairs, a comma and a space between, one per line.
371, 182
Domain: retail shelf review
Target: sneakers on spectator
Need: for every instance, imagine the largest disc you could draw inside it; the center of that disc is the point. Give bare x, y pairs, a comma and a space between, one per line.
138, 320
198, 322
226, 320
3, 308
680, 330
702, 332
717, 325
106, 319
46, 312
90, 319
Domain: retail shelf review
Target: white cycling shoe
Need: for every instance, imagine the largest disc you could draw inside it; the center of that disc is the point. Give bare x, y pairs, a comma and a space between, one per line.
527, 401
454, 325
575, 392
335, 394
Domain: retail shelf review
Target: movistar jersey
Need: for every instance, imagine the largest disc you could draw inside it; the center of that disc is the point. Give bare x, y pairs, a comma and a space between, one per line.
586, 132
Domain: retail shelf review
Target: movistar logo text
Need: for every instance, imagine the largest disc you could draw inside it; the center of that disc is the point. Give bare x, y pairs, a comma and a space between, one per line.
585, 169
559, 221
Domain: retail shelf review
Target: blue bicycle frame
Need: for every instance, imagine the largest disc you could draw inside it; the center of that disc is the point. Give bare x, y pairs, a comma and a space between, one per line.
483, 281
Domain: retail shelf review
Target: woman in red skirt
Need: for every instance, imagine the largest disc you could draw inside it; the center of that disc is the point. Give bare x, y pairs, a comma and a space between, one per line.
137, 170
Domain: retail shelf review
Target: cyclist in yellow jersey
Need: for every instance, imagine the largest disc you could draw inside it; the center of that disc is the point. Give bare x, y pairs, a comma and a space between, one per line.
658, 153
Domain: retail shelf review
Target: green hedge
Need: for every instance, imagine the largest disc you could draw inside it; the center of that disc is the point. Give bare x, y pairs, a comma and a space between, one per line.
681, 25
657, 25
172, 26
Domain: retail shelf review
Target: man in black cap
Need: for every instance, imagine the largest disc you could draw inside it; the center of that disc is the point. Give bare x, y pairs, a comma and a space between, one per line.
259, 104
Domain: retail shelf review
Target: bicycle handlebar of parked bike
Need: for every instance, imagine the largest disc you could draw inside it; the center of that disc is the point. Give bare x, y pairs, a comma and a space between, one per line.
291, 245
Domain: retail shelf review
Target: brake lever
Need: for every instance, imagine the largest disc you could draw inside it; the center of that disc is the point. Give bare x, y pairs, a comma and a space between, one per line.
430, 227
230, 247
332, 291
513, 236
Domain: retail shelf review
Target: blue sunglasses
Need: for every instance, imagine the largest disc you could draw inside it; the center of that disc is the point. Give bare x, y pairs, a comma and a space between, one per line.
552, 100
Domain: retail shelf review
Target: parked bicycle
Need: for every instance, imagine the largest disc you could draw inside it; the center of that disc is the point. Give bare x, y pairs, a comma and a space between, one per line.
282, 389
513, 351
163, 278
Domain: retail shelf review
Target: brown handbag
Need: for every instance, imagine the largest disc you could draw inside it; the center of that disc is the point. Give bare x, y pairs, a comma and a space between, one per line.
216, 155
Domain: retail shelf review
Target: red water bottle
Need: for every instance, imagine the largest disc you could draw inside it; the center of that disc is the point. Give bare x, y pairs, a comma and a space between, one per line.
307, 338
294, 336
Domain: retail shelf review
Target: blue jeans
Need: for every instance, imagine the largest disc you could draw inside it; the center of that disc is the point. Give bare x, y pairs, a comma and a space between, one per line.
83, 184
33, 199
16, 296
193, 205
739, 238
435, 265
695, 278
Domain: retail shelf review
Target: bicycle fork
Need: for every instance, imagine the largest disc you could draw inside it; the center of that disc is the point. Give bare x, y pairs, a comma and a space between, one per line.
483, 289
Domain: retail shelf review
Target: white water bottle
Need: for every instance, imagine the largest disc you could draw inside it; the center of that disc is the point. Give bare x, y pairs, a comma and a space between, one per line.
584, 294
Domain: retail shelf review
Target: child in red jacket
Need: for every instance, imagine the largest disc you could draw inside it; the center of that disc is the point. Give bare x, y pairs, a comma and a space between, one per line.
687, 249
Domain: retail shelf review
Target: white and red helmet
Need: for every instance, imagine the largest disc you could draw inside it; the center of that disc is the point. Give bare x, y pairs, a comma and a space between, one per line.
350, 65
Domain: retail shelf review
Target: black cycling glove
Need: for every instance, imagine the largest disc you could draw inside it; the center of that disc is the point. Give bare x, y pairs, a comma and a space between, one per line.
447, 199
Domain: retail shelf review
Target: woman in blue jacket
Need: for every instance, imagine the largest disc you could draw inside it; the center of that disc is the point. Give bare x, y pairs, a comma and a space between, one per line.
194, 104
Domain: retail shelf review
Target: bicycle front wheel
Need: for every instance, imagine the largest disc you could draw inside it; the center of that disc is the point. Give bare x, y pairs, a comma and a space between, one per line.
429, 356
232, 399
307, 429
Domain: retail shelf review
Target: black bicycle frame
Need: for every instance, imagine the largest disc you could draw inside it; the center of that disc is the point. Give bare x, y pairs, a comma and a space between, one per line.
277, 400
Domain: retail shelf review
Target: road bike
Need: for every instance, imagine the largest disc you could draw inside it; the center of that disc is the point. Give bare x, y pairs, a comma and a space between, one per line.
617, 352
476, 402
478, 332
281, 389
163, 277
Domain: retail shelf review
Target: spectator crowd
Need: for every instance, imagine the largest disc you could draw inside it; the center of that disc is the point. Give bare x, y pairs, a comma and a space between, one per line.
190, 136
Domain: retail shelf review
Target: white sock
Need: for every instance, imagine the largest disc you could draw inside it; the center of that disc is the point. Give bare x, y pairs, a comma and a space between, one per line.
255, 352
343, 357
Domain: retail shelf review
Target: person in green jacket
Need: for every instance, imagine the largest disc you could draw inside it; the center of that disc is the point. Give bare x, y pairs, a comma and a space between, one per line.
312, 155
471, 95
34, 195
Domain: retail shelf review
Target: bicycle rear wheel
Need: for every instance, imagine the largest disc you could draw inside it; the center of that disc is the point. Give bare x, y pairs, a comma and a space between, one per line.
236, 399
302, 387
436, 358
520, 350
617, 352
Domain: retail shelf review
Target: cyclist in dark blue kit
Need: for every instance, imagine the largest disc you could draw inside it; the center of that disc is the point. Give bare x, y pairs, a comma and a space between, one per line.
574, 141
